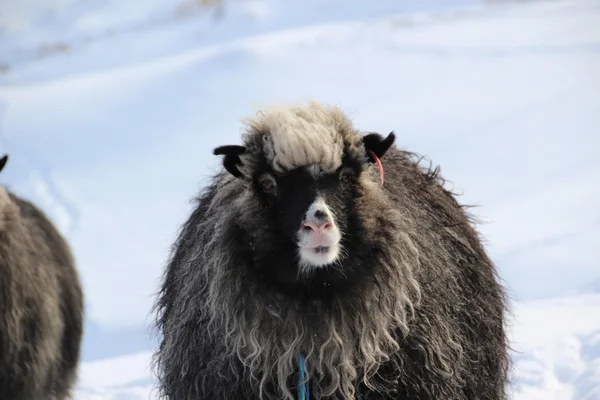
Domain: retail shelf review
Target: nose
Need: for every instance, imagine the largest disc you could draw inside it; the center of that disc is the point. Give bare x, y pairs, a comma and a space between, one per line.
317, 227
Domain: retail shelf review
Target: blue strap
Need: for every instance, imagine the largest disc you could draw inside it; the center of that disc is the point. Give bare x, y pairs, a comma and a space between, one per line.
303, 390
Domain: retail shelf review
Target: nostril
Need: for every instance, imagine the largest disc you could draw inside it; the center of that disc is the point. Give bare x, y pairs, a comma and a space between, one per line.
309, 227
326, 226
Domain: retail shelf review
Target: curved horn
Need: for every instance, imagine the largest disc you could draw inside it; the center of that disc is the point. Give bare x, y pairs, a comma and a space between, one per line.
3, 161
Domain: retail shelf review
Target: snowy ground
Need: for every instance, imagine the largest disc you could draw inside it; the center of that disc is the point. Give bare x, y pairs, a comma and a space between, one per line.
109, 111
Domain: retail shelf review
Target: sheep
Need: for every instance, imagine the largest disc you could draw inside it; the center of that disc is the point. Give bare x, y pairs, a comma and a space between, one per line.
321, 250
41, 304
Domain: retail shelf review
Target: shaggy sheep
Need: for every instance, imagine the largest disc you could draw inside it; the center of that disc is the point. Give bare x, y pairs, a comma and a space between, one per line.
297, 249
41, 305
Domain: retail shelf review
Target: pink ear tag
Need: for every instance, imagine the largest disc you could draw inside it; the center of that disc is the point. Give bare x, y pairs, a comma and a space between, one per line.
379, 166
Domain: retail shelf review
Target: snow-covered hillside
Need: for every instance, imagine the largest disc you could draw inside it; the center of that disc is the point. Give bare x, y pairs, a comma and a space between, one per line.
109, 111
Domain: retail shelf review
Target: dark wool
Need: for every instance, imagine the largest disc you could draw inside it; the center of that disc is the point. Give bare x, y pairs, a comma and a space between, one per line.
412, 309
41, 305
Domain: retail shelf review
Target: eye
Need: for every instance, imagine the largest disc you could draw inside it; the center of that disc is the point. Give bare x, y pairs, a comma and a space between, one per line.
346, 175
268, 184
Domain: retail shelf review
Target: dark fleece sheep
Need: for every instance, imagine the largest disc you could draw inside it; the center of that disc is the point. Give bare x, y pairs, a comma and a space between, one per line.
41, 305
296, 249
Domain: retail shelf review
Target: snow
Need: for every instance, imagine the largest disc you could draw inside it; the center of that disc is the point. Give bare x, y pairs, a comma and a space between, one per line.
109, 111
557, 348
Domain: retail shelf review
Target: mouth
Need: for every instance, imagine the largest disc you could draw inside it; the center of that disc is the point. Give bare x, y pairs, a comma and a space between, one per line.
318, 256
320, 249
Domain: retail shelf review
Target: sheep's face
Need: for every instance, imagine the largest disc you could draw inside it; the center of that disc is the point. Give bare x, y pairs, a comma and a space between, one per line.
303, 166
311, 207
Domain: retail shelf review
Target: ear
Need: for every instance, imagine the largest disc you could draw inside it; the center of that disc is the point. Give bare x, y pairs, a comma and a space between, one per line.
377, 144
3, 161
232, 158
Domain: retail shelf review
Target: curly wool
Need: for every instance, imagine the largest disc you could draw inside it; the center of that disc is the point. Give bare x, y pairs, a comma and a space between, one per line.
267, 334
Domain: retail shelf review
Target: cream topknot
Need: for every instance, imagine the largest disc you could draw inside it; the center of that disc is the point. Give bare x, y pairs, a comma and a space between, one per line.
297, 136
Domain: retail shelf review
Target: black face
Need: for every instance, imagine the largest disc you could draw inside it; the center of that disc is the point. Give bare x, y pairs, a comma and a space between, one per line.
288, 198
282, 252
